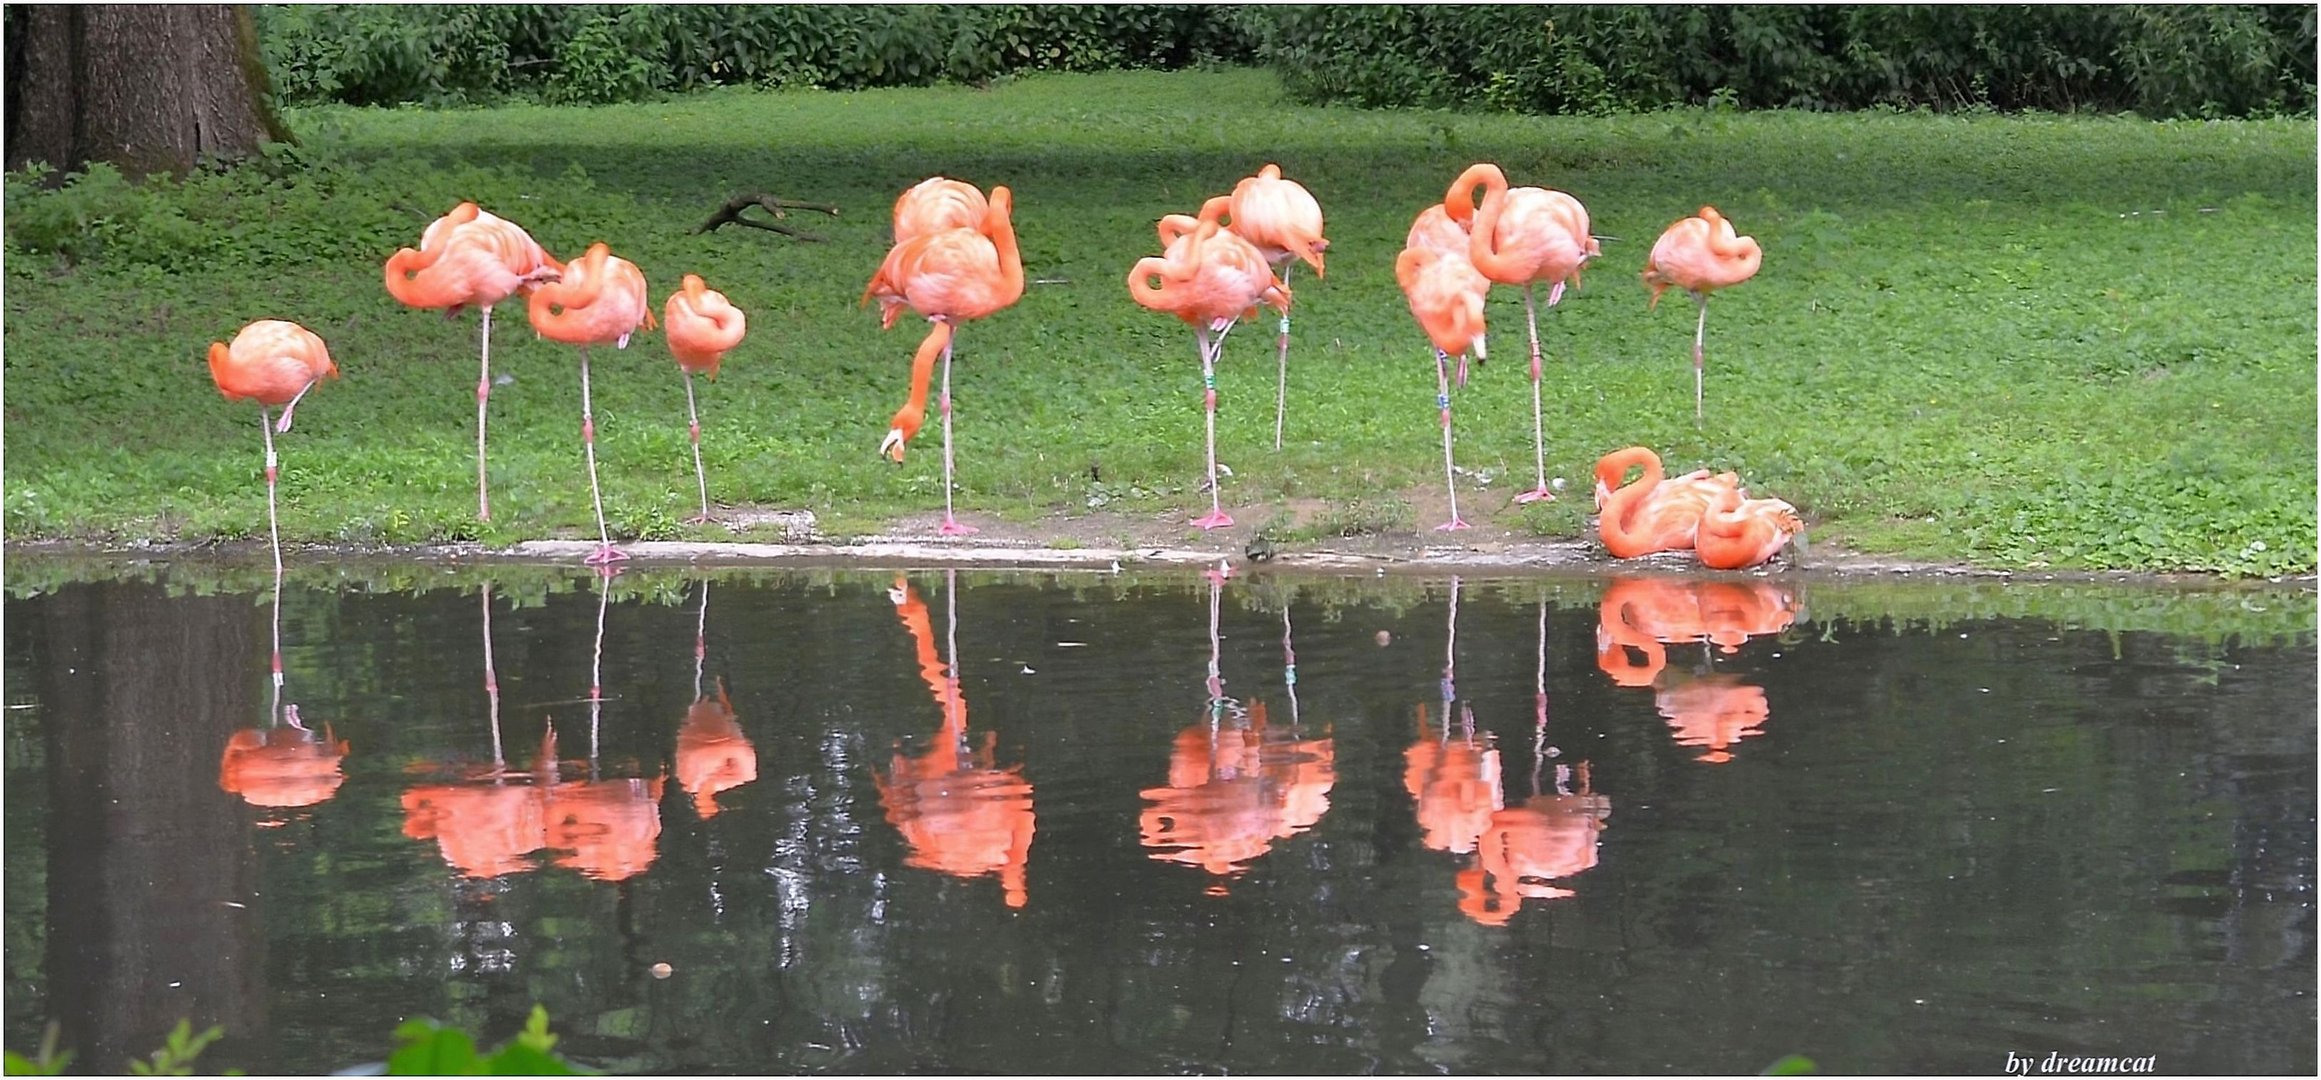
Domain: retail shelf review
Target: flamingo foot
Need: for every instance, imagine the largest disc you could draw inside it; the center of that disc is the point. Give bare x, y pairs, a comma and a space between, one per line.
951, 527
1536, 495
606, 554
1453, 525
700, 519
1215, 519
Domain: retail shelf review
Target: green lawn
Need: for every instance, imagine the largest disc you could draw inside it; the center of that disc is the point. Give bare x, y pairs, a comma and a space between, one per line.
2016, 341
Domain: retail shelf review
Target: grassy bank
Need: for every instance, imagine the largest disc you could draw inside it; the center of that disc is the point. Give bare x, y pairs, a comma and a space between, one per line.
2027, 341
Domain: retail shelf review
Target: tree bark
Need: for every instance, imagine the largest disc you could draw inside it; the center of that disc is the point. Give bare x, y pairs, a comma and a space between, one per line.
150, 88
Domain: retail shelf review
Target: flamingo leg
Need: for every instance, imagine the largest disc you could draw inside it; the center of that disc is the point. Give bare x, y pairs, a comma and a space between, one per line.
605, 552
283, 425
950, 526
273, 520
1538, 440
1281, 386
693, 428
1699, 331
1217, 518
1443, 402
483, 393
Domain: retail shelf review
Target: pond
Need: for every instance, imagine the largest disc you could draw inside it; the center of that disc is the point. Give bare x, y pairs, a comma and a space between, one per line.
891, 822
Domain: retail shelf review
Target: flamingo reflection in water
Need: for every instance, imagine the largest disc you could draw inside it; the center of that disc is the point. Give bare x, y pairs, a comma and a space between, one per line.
713, 753
1639, 617
490, 823
958, 813
284, 765
1546, 839
609, 830
486, 826
1234, 785
1454, 781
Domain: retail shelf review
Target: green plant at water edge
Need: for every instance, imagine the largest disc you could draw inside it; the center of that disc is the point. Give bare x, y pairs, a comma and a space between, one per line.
175, 1058
431, 1049
48, 1061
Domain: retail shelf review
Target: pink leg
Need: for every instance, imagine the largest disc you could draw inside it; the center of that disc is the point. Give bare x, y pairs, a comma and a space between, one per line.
273, 520
950, 526
1443, 402
693, 427
1281, 387
283, 425
1217, 518
483, 393
605, 552
1538, 440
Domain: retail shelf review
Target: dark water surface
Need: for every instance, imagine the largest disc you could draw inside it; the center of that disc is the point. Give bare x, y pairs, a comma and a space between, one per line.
1642, 825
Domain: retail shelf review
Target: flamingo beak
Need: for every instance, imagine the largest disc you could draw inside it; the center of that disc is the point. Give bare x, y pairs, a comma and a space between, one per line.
892, 445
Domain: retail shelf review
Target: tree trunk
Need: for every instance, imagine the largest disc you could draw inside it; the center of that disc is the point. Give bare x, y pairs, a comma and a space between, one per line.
148, 88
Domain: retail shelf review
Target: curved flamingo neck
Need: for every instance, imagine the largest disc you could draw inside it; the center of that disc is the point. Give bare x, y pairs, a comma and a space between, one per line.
593, 272
1459, 201
913, 415
1000, 227
1616, 524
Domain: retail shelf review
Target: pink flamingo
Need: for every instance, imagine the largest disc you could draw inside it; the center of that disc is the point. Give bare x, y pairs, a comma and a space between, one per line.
1737, 533
1524, 236
702, 326
1446, 295
1282, 219
272, 362
1700, 255
1653, 514
1209, 278
469, 257
947, 276
600, 300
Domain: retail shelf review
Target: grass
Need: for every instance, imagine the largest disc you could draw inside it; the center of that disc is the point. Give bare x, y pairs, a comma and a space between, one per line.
2013, 341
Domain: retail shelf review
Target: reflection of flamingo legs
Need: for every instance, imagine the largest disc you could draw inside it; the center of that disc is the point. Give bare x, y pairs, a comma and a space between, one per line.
1289, 665
953, 706
492, 687
1216, 681
1451, 652
596, 673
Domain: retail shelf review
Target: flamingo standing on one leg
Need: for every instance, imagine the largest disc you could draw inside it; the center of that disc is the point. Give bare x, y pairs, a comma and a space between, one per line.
1738, 533
1653, 514
1446, 295
1524, 236
469, 257
948, 276
702, 324
1210, 281
601, 300
1285, 223
1700, 255
271, 362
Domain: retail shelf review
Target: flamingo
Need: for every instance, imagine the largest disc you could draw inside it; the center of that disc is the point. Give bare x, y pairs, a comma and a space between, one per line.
1738, 533
1209, 278
272, 362
1652, 514
284, 767
599, 300
1446, 295
1700, 255
469, 257
1524, 236
484, 826
947, 276
1282, 219
1546, 838
1712, 711
702, 325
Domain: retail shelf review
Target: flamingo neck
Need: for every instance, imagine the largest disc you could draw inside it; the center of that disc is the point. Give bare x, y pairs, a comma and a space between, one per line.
913, 415
1620, 533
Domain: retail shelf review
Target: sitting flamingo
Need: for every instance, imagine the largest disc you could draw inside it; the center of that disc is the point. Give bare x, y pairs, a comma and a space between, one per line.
1652, 514
1738, 533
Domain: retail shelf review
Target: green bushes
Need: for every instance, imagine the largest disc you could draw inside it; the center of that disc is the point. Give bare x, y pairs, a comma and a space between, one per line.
478, 54
2203, 60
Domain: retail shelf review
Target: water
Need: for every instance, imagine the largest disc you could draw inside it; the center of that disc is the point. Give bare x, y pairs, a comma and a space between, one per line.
1161, 824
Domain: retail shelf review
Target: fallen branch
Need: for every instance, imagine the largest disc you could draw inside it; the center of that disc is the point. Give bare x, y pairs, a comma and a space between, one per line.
779, 208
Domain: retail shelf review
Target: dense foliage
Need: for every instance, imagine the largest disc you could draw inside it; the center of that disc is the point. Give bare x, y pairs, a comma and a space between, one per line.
2162, 61
2196, 60
364, 54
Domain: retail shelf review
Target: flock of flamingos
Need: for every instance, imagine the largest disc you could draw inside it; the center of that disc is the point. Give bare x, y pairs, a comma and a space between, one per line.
955, 259
1237, 784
